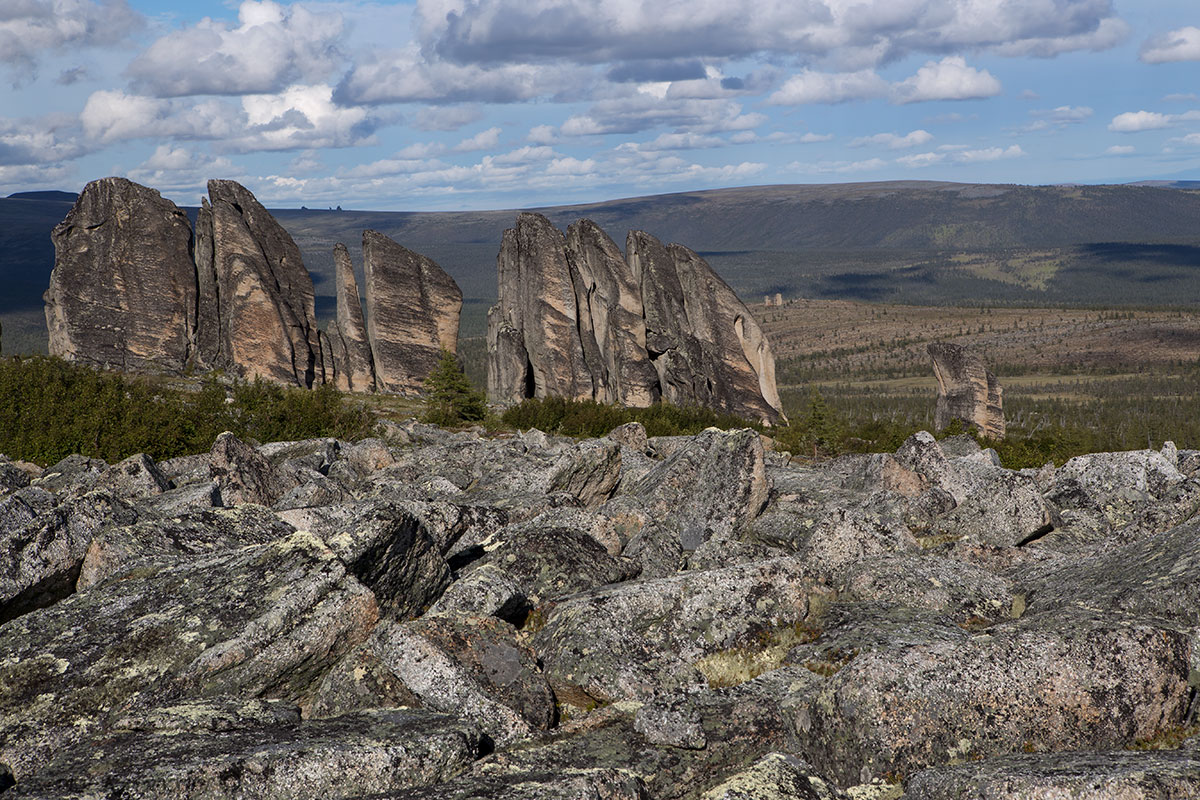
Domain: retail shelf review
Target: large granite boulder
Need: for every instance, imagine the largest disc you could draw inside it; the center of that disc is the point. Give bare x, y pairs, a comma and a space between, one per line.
412, 312
266, 323
967, 390
123, 290
578, 320
353, 366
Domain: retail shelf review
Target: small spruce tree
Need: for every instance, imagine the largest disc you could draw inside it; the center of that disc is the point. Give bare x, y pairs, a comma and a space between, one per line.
449, 397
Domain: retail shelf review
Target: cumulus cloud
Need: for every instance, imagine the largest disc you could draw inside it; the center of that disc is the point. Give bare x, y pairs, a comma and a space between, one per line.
948, 79
484, 140
1178, 45
893, 141
273, 46
866, 33
300, 117
44, 140
676, 141
644, 112
31, 28
811, 86
867, 165
406, 76
173, 169
959, 154
1120, 150
1135, 121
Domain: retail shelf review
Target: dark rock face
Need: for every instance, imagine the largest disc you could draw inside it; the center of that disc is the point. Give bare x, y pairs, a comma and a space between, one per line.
967, 391
267, 326
447, 615
412, 312
576, 319
353, 366
123, 291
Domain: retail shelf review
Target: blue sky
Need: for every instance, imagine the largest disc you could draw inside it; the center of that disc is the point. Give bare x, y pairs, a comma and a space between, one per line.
472, 104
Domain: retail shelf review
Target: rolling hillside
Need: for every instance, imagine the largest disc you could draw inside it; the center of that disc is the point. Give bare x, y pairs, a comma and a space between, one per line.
907, 242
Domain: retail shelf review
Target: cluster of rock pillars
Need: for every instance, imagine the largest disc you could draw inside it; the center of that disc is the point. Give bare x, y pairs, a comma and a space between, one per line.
135, 287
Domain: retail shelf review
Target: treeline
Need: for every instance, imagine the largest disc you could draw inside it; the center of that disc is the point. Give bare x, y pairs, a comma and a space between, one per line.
50, 408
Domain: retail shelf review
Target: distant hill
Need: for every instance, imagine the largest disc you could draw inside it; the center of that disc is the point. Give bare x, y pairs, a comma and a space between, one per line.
68, 197
901, 241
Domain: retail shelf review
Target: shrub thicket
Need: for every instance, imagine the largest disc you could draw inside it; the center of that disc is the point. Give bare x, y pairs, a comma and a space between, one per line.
50, 408
583, 418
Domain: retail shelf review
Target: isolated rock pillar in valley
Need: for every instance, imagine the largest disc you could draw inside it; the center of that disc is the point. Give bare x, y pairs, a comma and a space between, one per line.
122, 293
967, 391
267, 325
353, 367
413, 309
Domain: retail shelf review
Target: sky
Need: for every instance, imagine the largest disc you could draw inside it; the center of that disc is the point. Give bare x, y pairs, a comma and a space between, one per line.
479, 104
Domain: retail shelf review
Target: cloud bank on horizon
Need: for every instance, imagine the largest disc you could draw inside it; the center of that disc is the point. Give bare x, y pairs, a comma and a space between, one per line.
494, 103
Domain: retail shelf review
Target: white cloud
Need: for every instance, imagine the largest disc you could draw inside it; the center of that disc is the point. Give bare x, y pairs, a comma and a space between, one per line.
960, 154
643, 112
848, 35
678, 141
484, 140
1065, 114
1182, 44
274, 46
829, 87
301, 117
44, 140
177, 169
1120, 150
948, 79
542, 134
893, 141
1191, 140
1135, 121
31, 28
813, 138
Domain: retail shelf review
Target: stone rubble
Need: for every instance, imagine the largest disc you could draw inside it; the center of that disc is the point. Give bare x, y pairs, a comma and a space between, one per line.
445, 615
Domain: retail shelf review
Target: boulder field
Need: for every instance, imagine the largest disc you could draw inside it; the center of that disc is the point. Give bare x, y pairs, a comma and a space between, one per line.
436, 615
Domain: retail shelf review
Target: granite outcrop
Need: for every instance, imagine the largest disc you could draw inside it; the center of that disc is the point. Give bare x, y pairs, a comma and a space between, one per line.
967, 391
578, 319
135, 288
442, 614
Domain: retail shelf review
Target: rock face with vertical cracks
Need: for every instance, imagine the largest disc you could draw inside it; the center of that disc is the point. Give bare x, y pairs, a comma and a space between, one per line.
353, 367
267, 326
413, 308
577, 319
967, 391
705, 346
123, 291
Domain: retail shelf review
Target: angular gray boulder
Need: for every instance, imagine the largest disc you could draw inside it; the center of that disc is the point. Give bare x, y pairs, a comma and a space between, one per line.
122, 293
413, 308
967, 390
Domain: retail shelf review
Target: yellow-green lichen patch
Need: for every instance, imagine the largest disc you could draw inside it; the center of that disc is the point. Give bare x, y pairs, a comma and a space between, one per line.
737, 665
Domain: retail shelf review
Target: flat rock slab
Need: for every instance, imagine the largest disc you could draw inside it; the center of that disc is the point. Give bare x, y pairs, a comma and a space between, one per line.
474, 668
627, 640
198, 533
357, 754
1114, 775
927, 697
262, 621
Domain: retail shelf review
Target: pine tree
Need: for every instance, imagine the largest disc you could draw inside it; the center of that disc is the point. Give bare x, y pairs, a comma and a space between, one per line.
449, 397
